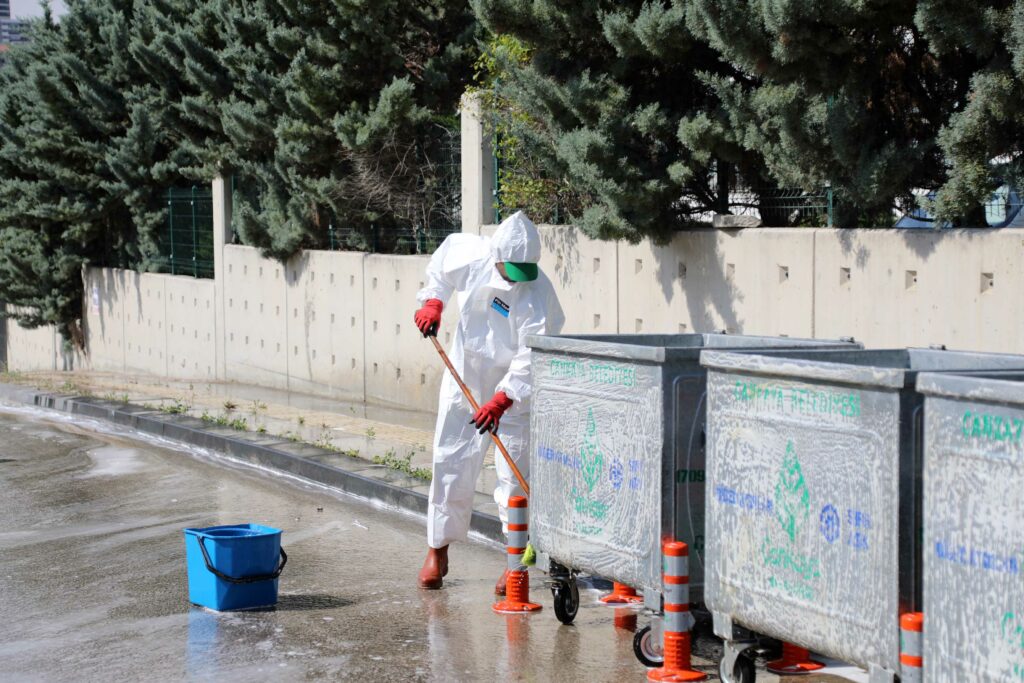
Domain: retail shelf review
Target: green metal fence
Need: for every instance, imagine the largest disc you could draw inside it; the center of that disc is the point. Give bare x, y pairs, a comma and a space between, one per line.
780, 207
186, 243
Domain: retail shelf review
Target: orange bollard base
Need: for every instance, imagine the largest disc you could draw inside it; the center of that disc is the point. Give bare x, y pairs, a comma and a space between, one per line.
621, 595
625, 619
677, 661
517, 595
795, 661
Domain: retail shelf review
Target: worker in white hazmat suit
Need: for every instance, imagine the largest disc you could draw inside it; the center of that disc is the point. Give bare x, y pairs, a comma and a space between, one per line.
502, 298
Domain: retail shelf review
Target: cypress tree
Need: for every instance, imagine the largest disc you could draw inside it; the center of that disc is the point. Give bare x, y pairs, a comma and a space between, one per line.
334, 109
603, 93
983, 139
842, 92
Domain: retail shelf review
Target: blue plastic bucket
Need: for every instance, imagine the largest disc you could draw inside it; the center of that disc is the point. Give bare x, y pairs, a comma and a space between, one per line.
234, 567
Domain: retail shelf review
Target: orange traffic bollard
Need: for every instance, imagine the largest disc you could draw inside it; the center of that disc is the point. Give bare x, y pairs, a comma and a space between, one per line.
911, 647
517, 586
676, 579
795, 661
621, 595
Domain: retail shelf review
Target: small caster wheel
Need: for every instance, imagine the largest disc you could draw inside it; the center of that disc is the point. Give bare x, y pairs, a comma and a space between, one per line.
742, 671
646, 650
567, 601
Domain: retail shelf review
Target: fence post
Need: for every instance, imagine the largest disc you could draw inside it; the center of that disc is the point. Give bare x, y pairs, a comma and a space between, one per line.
828, 194
195, 243
170, 225
221, 236
477, 164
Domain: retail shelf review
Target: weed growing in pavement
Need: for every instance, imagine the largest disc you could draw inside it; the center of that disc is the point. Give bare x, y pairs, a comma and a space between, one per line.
230, 405
324, 440
11, 376
69, 387
301, 419
371, 433
391, 459
262, 430
239, 423
176, 408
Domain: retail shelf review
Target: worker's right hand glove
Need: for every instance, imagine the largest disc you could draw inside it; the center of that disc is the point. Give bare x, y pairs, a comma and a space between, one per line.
487, 418
428, 318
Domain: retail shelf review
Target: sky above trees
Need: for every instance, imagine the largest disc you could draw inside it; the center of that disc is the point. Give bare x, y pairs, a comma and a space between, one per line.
24, 9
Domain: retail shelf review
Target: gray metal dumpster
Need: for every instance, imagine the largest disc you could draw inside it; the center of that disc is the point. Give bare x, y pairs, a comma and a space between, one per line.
813, 468
973, 528
617, 449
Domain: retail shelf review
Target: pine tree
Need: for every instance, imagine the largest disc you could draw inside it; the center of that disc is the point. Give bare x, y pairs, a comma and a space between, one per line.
85, 156
983, 141
333, 110
841, 92
604, 91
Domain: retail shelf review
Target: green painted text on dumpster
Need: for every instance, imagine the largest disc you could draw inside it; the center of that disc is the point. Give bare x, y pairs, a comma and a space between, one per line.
689, 476
796, 400
991, 427
598, 373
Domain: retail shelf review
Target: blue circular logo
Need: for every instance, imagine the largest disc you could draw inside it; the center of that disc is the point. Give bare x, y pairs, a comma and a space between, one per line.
830, 523
616, 474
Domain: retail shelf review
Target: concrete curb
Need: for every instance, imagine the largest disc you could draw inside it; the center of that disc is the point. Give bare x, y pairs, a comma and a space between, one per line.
337, 470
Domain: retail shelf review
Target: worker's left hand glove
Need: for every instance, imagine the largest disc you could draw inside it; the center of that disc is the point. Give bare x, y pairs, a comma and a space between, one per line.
490, 413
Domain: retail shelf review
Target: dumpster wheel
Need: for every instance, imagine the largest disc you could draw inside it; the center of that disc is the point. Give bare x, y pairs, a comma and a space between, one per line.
646, 650
742, 672
567, 600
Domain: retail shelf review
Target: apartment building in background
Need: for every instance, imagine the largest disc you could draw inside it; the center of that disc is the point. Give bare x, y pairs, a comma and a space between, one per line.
12, 31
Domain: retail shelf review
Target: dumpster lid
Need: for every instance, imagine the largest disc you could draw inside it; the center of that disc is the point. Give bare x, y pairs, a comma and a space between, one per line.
990, 387
657, 348
891, 368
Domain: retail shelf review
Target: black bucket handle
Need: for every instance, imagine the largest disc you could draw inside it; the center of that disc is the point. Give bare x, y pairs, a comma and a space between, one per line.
244, 579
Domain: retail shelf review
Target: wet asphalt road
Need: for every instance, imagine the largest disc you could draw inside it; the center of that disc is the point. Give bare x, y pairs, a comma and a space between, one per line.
93, 587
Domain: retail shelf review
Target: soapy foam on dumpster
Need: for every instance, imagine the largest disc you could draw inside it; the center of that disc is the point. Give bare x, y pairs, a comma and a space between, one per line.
973, 536
803, 492
596, 466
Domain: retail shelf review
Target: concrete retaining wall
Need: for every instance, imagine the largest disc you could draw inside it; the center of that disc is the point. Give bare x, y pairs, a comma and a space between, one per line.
340, 324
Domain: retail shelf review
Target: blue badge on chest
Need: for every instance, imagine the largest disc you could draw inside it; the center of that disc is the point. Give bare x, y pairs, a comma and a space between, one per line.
500, 306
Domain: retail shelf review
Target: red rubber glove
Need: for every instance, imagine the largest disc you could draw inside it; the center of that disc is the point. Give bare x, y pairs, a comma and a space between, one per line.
428, 318
490, 413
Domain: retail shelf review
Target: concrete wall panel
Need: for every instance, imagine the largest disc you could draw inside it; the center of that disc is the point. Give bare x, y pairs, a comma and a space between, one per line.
254, 318
769, 277
325, 323
402, 368
888, 288
144, 307
190, 322
104, 318
34, 349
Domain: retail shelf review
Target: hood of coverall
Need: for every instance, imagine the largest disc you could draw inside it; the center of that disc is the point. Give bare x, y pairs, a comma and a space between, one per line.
516, 240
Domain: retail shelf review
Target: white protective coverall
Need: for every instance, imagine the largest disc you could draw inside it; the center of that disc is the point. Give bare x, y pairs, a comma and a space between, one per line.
490, 353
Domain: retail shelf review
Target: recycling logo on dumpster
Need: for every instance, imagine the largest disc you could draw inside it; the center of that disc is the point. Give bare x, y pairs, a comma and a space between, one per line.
792, 499
590, 453
592, 460
795, 574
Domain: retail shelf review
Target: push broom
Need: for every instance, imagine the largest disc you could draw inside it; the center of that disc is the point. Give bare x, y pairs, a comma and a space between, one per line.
529, 556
